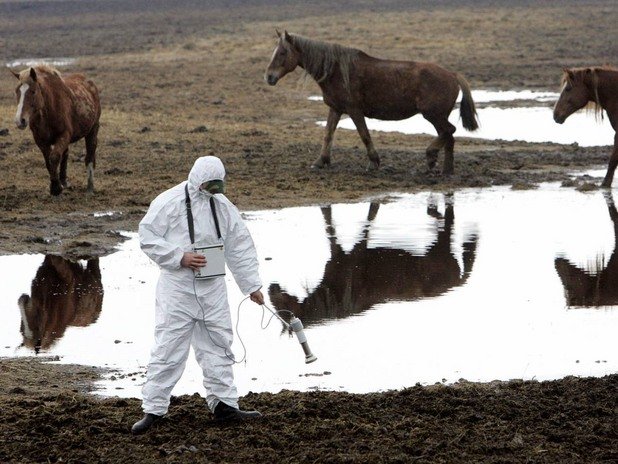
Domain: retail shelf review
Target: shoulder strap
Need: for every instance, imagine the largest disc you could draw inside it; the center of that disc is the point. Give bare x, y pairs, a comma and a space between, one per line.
189, 214
214, 216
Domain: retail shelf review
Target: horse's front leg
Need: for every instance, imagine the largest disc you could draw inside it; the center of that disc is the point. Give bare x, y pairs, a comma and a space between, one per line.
361, 127
55, 158
331, 126
63, 169
45, 149
613, 162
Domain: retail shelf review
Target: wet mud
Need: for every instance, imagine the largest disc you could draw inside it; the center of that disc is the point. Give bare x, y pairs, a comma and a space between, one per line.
177, 83
46, 419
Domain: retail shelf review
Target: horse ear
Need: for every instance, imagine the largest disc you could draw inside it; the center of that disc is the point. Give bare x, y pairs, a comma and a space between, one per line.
14, 74
33, 74
278, 33
286, 37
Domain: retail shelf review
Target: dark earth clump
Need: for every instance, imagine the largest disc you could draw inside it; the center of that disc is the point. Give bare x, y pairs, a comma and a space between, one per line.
568, 420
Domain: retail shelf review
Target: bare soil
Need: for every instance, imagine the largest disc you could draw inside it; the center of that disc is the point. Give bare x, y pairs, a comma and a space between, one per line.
46, 419
183, 79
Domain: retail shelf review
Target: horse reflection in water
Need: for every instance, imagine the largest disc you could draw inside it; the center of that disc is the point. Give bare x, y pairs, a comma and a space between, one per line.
63, 293
598, 287
354, 282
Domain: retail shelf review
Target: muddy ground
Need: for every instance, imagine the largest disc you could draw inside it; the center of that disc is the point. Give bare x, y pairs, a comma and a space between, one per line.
183, 79
46, 419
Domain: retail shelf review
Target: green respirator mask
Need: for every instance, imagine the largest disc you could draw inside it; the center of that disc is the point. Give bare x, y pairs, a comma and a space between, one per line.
213, 186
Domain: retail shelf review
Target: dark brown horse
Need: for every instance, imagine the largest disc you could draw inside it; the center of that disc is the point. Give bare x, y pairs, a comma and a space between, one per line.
59, 110
63, 293
598, 288
354, 282
581, 86
359, 85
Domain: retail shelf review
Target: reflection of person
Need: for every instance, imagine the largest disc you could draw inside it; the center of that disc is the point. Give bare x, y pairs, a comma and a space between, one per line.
192, 311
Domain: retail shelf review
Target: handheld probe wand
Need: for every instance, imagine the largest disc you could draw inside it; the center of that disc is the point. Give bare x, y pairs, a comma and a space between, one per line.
296, 326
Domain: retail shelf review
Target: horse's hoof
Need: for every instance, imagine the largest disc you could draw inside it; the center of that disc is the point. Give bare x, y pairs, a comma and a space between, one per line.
320, 163
373, 166
55, 189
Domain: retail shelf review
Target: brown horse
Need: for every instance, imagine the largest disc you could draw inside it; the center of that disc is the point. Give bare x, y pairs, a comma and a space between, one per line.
359, 85
354, 282
63, 293
584, 288
59, 110
597, 85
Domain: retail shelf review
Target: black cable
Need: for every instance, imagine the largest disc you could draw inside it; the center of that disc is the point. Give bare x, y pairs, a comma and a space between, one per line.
263, 305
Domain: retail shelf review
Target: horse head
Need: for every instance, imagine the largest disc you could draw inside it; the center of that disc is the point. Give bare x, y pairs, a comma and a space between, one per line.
28, 95
574, 94
596, 285
30, 323
284, 60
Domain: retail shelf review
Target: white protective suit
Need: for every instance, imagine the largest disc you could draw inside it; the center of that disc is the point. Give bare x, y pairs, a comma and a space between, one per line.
179, 320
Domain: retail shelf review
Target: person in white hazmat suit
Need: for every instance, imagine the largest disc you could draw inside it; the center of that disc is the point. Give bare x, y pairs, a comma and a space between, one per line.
180, 321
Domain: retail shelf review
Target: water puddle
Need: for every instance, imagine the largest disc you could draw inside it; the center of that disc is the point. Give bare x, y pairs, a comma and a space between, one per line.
480, 284
25, 62
530, 123
98, 214
490, 96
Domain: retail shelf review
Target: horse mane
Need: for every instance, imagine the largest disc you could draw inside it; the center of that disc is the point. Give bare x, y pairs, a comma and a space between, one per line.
44, 69
579, 74
321, 58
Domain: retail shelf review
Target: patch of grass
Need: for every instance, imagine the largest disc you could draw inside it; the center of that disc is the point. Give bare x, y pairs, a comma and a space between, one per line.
587, 187
522, 185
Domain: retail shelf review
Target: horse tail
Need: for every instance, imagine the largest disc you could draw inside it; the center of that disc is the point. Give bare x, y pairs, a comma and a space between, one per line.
467, 109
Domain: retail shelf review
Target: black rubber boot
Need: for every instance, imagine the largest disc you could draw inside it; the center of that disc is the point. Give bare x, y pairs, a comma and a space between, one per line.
144, 425
225, 413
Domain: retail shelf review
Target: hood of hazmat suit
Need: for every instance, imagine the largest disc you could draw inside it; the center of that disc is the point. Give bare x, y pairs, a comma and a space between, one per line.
164, 231
181, 300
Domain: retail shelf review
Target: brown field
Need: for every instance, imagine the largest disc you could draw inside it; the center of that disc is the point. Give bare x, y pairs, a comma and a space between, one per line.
183, 79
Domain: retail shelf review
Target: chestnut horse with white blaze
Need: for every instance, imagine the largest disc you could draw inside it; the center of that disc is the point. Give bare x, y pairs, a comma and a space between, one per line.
598, 85
59, 111
361, 86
